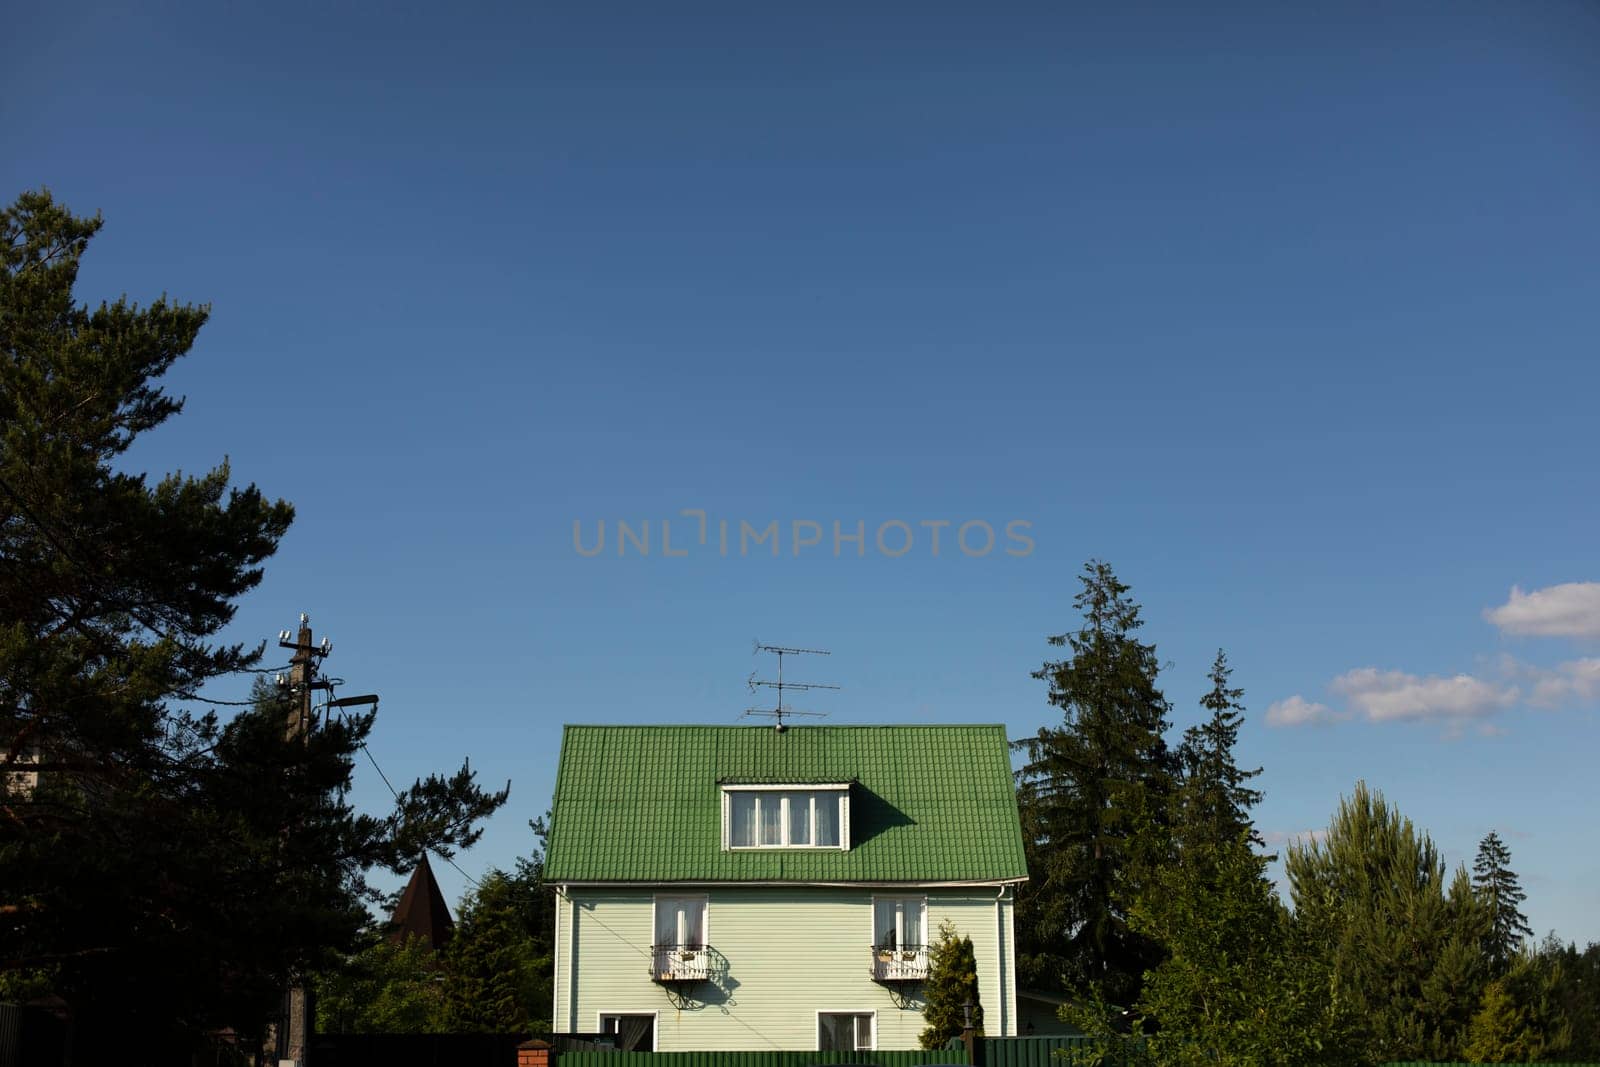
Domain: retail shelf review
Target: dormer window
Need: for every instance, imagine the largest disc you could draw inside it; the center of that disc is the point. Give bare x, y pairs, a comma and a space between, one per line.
786, 816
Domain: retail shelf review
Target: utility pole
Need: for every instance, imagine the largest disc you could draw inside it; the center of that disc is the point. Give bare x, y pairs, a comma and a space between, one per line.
294, 1034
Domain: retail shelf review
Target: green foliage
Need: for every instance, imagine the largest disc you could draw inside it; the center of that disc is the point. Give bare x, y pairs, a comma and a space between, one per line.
1497, 886
1216, 798
1519, 1019
499, 974
494, 976
1113, 1037
387, 987
1238, 986
952, 988
171, 871
1576, 994
1084, 788
1404, 952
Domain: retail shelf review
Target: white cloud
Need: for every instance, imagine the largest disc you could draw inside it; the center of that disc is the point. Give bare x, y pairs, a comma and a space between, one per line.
1568, 610
1574, 682
1298, 711
1388, 696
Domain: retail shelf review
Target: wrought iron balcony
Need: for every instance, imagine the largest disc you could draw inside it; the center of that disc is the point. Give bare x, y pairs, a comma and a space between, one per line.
908, 963
680, 963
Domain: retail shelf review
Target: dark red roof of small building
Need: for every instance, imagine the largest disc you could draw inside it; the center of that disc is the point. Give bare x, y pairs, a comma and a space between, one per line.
422, 911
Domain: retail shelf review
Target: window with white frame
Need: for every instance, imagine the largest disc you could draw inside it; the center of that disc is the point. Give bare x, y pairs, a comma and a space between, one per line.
784, 816
899, 922
845, 1031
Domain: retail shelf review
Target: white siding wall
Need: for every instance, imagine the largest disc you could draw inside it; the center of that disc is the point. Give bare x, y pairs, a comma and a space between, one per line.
784, 953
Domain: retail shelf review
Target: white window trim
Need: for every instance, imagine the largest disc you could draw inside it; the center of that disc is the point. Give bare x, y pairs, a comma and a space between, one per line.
841, 788
850, 1011
872, 919
705, 922
655, 1023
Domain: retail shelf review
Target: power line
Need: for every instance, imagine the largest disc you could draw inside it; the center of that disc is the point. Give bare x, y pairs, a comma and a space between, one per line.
392, 792
385, 777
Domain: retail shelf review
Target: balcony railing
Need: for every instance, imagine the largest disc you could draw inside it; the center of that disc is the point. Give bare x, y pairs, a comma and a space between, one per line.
908, 963
680, 963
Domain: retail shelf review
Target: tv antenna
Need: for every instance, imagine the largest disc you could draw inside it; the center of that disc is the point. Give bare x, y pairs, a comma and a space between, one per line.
780, 710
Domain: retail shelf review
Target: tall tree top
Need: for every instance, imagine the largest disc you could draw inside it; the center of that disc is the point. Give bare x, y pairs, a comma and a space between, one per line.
1497, 885
1216, 796
1087, 787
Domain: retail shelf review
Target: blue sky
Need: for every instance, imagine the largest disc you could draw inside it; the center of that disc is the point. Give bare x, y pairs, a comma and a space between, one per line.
1288, 314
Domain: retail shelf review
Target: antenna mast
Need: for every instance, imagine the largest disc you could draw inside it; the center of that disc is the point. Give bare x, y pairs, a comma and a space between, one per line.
779, 710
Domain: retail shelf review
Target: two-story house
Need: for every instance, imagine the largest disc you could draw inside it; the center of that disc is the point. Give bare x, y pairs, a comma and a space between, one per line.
742, 887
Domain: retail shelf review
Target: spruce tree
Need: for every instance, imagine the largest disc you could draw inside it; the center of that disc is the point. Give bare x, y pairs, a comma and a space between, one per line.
1216, 798
952, 988
1498, 887
1090, 792
492, 965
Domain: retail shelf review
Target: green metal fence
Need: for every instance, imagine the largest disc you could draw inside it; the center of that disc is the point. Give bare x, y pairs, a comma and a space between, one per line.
757, 1059
1044, 1051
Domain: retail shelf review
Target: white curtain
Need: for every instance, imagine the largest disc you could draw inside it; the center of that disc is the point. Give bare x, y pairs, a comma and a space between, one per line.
799, 818
898, 922
743, 831
680, 922
828, 819
771, 819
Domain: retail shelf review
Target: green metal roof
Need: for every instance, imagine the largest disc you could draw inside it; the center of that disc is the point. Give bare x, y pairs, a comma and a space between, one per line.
643, 803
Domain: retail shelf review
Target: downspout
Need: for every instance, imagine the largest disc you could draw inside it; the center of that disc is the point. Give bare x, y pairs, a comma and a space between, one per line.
572, 962
1000, 953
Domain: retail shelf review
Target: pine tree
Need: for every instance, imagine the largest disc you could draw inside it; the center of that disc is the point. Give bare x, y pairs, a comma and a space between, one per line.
1215, 798
1404, 950
1085, 789
170, 871
1498, 887
952, 989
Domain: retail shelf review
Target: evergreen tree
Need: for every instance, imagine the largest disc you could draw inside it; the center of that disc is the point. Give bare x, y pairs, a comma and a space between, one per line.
1577, 994
494, 971
1239, 986
169, 872
952, 988
1216, 798
386, 987
501, 962
1404, 951
1083, 789
1519, 1019
1498, 887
